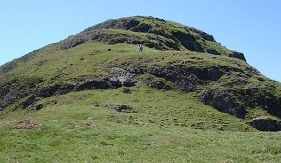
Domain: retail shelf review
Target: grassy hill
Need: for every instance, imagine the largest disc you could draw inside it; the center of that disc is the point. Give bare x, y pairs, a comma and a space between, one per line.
186, 98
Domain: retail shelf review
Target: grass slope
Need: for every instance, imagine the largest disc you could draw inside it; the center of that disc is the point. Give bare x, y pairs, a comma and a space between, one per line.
166, 126
93, 59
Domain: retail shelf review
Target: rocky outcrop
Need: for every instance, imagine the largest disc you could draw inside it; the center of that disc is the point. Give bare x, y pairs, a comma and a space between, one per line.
254, 97
188, 41
224, 102
185, 78
11, 93
142, 27
160, 85
266, 124
237, 55
183, 82
126, 90
120, 108
234, 102
123, 23
182, 77
153, 33
122, 75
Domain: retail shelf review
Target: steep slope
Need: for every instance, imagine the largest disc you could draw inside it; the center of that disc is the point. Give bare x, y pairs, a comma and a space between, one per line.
176, 57
93, 98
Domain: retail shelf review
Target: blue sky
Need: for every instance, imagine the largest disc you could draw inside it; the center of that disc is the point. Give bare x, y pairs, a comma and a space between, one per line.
250, 26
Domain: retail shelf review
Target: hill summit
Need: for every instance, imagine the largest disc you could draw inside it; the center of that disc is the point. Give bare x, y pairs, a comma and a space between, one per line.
93, 97
153, 33
176, 57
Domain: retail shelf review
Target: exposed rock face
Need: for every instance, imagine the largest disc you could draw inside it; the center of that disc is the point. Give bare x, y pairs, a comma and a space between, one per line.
143, 27
266, 124
124, 23
204, 35
183, 82
159, 85
185, 78
188, 41
104, 83
13, 93
10, 93
238, 55
254, 97
224, 102
122, 75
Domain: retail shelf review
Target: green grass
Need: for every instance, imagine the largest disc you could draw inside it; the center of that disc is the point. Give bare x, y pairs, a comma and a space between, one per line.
166, 126
93, 59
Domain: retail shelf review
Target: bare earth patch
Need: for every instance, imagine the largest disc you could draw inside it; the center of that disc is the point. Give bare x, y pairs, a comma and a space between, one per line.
28, 124
90, 123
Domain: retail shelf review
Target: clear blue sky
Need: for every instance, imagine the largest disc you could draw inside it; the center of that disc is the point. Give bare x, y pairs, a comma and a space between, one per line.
250, 26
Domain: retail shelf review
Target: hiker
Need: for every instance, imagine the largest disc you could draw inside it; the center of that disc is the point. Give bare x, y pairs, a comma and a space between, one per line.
140, 48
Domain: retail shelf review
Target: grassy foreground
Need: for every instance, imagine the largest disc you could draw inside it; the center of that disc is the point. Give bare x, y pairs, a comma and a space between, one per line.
166, 126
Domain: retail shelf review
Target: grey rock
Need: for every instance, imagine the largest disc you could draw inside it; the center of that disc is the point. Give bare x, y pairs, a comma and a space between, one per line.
63, 88
223, 102
159, 85
120, 108
122, 75
237, 55
126, 90
254, 97
185, 78
266, 124
188, 41
143, 27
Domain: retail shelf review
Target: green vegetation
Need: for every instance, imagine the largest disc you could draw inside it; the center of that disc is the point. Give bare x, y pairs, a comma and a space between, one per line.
165, 126
94, 58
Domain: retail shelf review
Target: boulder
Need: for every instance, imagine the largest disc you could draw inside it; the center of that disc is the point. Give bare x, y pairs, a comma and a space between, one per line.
126, 90
128, 83
266, 124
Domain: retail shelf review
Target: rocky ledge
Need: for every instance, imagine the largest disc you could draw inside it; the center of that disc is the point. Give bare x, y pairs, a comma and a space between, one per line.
31, 94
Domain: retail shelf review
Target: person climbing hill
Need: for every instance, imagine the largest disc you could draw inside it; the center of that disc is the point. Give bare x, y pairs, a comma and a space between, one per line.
140, 48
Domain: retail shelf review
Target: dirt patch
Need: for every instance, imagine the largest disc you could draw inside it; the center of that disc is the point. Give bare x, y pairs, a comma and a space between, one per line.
90, 123
28, 124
